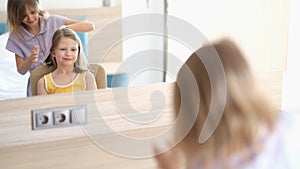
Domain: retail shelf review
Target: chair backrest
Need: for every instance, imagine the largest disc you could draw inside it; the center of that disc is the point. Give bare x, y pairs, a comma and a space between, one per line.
100, 75
39, 72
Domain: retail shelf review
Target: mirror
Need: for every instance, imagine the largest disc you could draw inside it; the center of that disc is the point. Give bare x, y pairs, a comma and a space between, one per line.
130, 55
130, 50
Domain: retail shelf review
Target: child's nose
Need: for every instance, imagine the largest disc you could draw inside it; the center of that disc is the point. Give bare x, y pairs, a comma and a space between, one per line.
30, 17
68, 52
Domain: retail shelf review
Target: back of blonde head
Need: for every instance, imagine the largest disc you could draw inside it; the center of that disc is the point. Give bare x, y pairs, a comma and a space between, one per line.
247, 113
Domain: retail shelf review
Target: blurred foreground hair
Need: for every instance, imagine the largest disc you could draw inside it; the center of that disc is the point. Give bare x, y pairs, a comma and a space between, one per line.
247, 115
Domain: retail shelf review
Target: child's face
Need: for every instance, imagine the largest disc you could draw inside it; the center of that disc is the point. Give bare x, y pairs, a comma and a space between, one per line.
66, 52
31, 17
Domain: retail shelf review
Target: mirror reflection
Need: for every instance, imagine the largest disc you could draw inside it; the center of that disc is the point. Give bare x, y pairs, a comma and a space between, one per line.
128, 56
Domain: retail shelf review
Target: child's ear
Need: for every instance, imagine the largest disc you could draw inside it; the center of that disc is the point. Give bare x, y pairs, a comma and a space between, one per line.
52, 56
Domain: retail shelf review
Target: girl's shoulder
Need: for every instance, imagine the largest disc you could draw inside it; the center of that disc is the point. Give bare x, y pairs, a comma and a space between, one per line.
14, 35
53, 19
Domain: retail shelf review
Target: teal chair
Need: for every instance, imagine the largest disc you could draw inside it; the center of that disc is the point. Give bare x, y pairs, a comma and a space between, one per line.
84, 38
3, 28
117, 80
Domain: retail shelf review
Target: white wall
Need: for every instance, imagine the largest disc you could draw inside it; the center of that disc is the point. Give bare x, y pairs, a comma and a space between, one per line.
70, 4
178, 51
186, 10
254, 24
291, 83
3, 5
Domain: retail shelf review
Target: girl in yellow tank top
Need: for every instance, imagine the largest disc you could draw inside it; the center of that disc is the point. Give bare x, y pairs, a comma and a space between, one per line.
78, 84
71, 68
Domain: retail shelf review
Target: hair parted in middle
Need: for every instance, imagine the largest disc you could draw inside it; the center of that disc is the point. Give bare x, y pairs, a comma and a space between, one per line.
81, 63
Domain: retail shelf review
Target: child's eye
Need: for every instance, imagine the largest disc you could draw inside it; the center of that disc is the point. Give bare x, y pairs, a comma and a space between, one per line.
62, 49
74, 49
33, 12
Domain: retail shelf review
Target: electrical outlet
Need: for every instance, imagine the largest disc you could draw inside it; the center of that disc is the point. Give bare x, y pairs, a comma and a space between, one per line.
62, 117
43, 119
59, 117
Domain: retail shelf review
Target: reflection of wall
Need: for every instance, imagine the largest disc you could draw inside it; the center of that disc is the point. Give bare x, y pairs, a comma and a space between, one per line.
140, 45
101, 17
65, 4
3, 5
70, 4
259, 26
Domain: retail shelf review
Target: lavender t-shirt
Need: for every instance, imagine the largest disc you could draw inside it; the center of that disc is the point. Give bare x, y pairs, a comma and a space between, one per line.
24, 44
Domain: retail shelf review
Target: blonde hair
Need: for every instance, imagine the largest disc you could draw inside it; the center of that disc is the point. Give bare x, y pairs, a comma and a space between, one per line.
247, 112
81, 63
16, 10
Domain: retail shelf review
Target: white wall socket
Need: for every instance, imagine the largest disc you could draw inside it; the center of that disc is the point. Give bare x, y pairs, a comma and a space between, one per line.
59, 117
62, 117
44, 120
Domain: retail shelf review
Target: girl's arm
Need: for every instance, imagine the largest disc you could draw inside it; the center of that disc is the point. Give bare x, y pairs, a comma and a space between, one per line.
79, 26
23, 65
90, 81
41, 87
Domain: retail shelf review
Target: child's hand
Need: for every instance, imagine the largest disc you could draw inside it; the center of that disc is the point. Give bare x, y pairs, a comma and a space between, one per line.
34, 55
167, 160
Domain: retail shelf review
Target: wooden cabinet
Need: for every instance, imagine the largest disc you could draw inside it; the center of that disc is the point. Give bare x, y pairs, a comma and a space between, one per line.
85, 146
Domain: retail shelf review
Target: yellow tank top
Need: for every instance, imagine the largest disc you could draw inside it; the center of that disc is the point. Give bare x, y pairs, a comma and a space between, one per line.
78, 84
